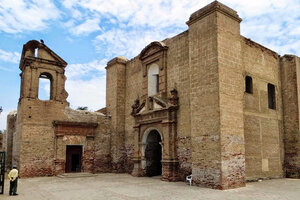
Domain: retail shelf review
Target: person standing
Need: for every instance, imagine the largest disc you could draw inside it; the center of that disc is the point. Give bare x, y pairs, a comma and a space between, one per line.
13, 180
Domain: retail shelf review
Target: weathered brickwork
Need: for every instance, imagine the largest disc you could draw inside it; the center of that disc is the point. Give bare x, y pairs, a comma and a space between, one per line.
290, 71
224, 135
263, 126
40, 132
207, 102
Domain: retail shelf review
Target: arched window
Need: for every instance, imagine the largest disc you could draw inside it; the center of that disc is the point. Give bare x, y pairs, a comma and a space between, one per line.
153, 79
45, 86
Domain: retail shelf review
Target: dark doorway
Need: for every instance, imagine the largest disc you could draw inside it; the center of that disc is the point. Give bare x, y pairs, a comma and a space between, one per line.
73, 158
153, 154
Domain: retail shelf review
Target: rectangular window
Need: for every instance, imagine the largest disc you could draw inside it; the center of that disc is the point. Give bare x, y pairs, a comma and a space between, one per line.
271, 96
248, 85
157, 82
36, 51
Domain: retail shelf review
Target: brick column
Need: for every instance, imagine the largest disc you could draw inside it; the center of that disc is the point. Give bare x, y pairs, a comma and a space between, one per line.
115, 105
217, 135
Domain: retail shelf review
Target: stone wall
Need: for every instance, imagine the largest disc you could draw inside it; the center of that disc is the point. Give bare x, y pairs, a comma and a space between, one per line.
115, 106
290, 71
204, 101
231, 85
263, 126
207, 65
178, 77
45, 128
8, 141
134, 88
44, 153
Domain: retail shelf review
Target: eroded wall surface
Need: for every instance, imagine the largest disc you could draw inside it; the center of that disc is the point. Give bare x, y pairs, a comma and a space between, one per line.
8, 139
290, 71
44, 128
263, 126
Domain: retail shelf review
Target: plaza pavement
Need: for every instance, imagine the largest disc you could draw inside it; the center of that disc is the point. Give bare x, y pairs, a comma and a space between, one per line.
126, 187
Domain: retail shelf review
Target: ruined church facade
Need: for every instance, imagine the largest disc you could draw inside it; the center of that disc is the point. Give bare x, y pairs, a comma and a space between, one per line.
207, 102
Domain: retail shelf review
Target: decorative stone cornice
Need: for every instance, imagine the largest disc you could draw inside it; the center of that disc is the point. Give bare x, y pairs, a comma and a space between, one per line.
70, 123
117, 60
63, 128
213, 7
27, 61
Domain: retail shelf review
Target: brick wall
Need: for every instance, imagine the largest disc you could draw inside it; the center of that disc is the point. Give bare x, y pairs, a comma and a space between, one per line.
204, 102
290, 70
263, 126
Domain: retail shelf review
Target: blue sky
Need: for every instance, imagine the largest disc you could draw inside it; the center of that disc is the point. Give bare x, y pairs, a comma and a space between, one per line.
88, 33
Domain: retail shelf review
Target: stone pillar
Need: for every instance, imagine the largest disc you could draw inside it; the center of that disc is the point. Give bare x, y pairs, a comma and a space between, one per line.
217, 133
115, 105
290, 81
231, 95
8, 143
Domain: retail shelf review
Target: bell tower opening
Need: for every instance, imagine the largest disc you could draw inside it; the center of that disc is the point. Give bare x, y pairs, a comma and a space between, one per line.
153, 154
45, 86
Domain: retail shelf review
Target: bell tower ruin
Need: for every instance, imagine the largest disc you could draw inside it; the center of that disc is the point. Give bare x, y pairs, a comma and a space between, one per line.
34, 115
38, 61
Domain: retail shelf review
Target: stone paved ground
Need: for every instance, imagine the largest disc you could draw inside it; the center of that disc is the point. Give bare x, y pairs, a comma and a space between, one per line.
124, 186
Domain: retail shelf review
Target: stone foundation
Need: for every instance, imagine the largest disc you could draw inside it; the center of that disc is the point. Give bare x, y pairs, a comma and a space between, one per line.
170, 171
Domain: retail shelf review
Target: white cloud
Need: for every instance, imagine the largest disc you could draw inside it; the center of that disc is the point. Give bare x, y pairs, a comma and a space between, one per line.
90, 93
86, 84
152, 13
20, 15
85, 28
139, 22
11, 57
128, 43
274, 23
77, 71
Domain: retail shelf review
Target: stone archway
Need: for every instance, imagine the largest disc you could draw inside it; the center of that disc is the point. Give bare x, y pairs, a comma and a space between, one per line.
155, 121
153, 154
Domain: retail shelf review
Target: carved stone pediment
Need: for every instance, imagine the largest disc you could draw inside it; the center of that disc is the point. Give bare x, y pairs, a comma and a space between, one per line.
155, 103
48, 56
152, 48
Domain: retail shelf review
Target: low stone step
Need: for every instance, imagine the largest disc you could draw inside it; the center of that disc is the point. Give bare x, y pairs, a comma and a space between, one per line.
76, 175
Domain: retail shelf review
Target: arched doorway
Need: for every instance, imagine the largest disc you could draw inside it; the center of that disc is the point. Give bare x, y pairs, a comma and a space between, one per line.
153, 154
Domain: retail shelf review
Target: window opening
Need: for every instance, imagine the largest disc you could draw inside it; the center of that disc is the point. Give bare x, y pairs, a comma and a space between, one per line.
157, 82
36, 51
271, 96
45, 86
153, 79
248, 84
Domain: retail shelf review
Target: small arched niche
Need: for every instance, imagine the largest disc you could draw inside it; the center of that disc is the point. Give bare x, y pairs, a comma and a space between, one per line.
153, 79
45, 86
